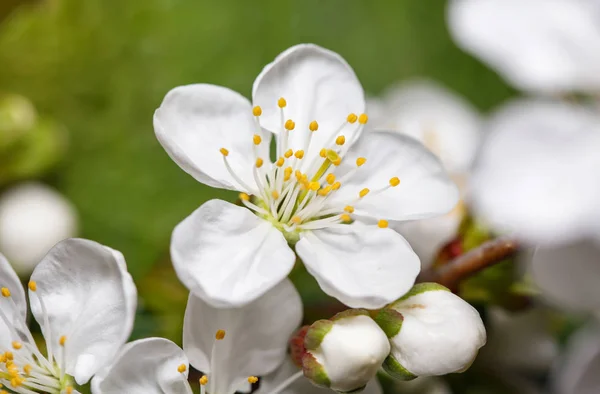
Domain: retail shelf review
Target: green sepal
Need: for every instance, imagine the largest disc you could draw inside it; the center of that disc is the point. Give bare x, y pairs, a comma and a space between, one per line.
421, 288
396, 370
350, 313
316, 333
390, 321
314, 371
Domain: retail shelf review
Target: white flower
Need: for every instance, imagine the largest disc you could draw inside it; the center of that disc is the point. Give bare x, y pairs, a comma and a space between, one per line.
33, 218
547, 46
447, 125
432, 332
84, 300
577, 370
345, 352
325, 176
568, 275
536, 172
231, 346
288, 370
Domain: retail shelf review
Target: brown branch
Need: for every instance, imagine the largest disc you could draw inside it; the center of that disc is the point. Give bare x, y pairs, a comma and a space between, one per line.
468, 264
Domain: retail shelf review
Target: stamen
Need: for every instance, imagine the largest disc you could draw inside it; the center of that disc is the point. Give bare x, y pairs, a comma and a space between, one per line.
363, 192
383, 223
345, 218
219, 335
313, 126
224, 152
259, 162
244, 197
182, 368
349, 209
363, 119
257, 111
281, 103
352, 118
32, 285
256, 139
341, 140
5, 292
17, 345
323, 153
252, 379
203, 380
288, 153
299, 154
280, 162
289, 125
62, 340
360, 161
395, 181
275, 194
330, 178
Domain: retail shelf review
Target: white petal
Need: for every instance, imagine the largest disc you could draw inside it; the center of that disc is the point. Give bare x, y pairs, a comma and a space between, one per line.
538, 45
256, 336
147, 366
440, 333
577, 372
425, 189
33, 218
195, 121
318, 85
228, 256
535, 174
13, 308
362, 266
445, 123
90, 299
520, 340
568, 275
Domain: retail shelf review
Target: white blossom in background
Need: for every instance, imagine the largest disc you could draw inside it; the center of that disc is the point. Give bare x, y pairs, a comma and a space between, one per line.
83, 299
330, 192
432, 332
577, 371
535, 175
230, 346
547, 46
33, 218
449, 126
345, 352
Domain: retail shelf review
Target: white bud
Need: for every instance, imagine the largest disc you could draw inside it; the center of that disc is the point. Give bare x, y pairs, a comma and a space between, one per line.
432, 332
33, 218
345, 352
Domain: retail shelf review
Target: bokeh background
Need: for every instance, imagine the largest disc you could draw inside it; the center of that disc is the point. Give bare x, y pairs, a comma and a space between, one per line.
96, 70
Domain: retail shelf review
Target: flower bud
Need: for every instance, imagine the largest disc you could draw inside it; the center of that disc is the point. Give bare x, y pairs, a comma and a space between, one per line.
344, 352
432, 332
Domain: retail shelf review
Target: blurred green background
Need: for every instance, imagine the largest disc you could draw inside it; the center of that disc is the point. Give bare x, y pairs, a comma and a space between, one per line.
101, 68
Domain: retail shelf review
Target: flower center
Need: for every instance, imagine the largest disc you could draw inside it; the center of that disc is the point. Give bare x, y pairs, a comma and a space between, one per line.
295, 195
23, 368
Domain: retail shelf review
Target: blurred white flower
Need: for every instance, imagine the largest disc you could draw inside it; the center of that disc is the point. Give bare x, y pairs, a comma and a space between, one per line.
432, 332
548, 46
447, 125
536, 173
33, 218
320, 195
578, 371
84, 300
230, 346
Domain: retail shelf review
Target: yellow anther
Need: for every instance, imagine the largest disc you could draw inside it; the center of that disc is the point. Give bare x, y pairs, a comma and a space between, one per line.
395, 181
360, 161
220, 335
288, 153
383, 223
224, 152
340, 140
324, 191
259, 162
257, 111
256, 139
363, 192
314, 186
298, 174
252, 379
349, 209
17, 345
32, 285
203, 380
363, 119
287, 173
352, 118
5, 292
27, 369
337, 161
289, 124
330, 178
182, 368
281, 103
323, 153
62, 340
336, 186
345, 218
280, 162
275, 194
244, 197
296, 219
9, 356
68, 390
313, 126
299, 154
